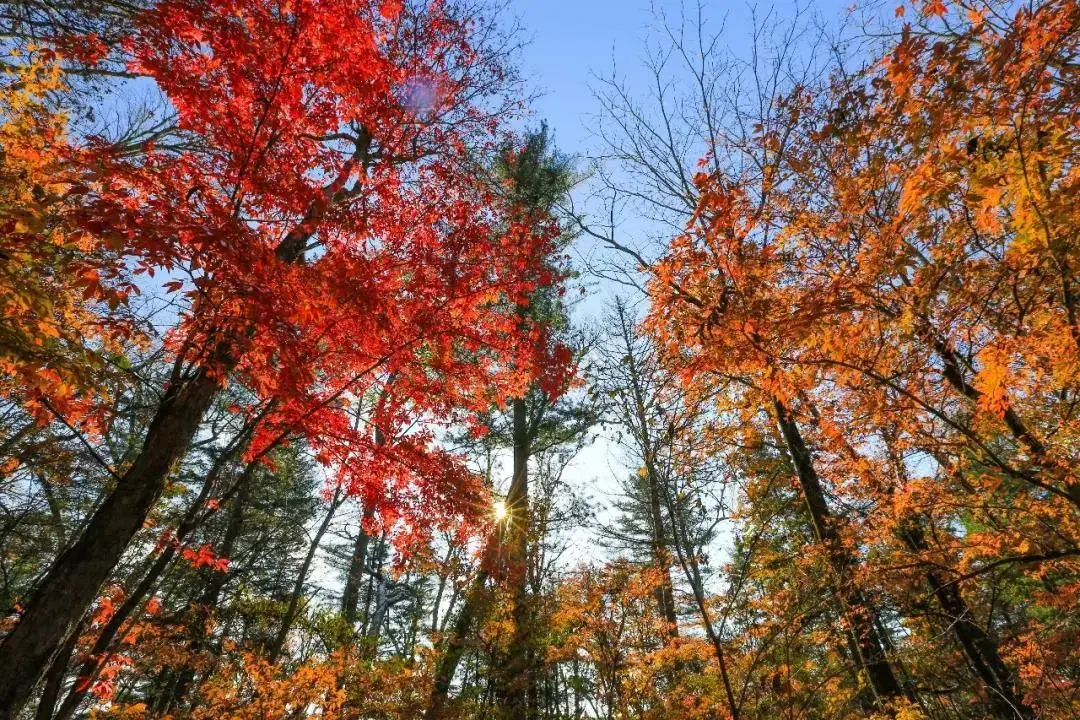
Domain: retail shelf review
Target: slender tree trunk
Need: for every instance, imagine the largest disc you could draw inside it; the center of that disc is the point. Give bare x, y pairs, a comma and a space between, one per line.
455, 644
350, 597
54, 678
981, 650
513, 680
377, 604
134, 599
275, 649
685, 554
857, 610
516, 537
208, 602
444, 578
665, 594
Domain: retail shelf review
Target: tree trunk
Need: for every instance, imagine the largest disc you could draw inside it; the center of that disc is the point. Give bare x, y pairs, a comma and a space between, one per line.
686, 555
455, 642
70, 587
981, 650
275, 649
516, 537
208, 602
857, 610
350, 597
665, 594
513, 686
73, 582
54, 678
377, 605
134, 599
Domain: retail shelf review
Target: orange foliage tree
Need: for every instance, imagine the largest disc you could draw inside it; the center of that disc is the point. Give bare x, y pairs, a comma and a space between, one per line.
892, 289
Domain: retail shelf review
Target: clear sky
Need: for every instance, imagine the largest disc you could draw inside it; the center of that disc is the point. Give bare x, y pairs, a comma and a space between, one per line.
572, 39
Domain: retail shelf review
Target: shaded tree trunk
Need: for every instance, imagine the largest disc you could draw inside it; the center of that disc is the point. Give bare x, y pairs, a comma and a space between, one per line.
856, 608
208, 602
455, 643
70, 587
350, 597
981, 650
73, 582
133, 601
514, 680
274, 651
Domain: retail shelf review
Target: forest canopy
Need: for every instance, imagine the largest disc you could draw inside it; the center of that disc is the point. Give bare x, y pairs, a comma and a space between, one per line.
334, 383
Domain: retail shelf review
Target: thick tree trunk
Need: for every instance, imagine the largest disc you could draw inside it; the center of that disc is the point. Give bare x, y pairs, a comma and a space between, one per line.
857, 610
73, 582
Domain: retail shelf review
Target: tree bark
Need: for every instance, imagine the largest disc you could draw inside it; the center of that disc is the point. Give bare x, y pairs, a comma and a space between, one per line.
856, 608
73, 582
278, 645
134, 599
350, 597
455, 642
981, 650
515, 676
70, 587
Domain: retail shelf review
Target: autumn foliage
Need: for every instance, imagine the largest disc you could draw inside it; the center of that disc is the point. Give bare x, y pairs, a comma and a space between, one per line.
283, 315
895, 285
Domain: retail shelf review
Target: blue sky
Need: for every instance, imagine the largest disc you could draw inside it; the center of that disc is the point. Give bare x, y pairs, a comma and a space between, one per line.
571, 39
570, 42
